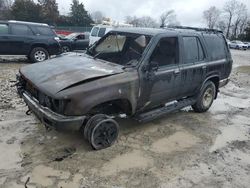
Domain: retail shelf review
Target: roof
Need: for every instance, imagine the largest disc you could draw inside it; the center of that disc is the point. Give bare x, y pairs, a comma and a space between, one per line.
155, 31
22, 22
145, 31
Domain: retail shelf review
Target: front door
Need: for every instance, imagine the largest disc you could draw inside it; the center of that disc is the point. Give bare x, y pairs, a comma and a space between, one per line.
4, 39
160, 75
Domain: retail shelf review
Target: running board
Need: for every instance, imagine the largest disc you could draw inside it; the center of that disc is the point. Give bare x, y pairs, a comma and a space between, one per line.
156, 113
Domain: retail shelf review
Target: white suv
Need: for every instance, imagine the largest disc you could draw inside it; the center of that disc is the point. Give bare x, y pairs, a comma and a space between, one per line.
97, 32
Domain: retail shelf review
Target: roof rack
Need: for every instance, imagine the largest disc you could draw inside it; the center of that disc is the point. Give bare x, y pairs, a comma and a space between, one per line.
195, 29
22, 22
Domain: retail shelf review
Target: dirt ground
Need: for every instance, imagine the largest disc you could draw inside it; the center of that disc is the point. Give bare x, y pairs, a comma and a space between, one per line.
184, 149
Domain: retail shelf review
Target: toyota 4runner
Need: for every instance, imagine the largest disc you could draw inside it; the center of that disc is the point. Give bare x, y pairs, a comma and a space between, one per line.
142, 73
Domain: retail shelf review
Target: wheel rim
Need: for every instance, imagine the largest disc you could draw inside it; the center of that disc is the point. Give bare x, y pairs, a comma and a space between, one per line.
208, 97
104, 134
65, 49
87, 126
40, 55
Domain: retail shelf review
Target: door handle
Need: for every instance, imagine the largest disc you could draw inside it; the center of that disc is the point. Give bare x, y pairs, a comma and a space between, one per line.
176, 71
204, 67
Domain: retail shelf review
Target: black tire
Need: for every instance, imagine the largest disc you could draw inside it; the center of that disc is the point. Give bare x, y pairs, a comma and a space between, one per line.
65, 49
205, 98
101, 131
38, 54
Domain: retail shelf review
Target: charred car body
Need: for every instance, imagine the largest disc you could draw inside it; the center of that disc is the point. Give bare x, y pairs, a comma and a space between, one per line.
143, 73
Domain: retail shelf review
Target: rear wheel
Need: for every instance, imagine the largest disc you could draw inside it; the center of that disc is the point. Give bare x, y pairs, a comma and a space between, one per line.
206, 97
38, 54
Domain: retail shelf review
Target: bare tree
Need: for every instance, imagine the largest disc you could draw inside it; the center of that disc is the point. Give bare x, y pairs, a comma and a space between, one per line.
5, 8
97, 17
167, 18
133, 20
147, 21
211, 16
230, 8
221, 25
243, 24
240, 15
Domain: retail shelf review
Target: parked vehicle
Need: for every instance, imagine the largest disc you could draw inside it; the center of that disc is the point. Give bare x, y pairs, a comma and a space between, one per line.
99, 31
248, 44
35, 40
74, 41
143, 73
236, 44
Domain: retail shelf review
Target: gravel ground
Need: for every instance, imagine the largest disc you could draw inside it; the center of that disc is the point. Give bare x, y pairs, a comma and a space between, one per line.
184, 149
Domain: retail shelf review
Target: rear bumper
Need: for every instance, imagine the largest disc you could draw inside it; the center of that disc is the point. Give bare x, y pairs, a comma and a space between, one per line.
223, 82
51, 118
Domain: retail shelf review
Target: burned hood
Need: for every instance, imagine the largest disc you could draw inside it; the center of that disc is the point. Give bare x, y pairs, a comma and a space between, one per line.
61, 73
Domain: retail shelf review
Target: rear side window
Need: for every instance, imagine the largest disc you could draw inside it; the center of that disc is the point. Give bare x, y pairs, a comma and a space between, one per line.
94, 31
21, 30
193, 51
216, 46
4, 29
101, 32
46, 31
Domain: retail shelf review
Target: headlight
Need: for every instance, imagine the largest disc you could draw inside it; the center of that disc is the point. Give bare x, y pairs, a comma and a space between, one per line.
58, 106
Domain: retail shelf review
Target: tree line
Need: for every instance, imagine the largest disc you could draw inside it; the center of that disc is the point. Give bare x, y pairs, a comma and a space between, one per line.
44, 11
233, 20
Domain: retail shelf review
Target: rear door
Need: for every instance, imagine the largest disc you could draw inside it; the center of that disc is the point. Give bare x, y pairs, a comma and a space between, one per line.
193, 66
4, 39
21, 38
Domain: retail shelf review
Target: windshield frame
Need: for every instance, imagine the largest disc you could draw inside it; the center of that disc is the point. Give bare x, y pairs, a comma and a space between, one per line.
91, 50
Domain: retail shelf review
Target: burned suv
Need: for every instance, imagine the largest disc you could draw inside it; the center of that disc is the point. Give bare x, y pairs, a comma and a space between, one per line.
142, 73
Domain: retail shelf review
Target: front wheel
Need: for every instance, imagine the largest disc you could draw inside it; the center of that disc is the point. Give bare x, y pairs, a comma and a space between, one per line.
206, 97
38, 54
65, 49
101, 131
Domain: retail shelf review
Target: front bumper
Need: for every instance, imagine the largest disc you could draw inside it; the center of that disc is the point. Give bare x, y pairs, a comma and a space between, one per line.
50, 118
223, 82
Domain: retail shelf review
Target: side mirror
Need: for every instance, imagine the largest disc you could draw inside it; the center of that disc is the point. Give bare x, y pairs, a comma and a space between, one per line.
75, 39
151, 66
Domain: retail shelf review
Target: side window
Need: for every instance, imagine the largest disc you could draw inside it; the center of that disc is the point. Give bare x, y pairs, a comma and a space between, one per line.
4, 29
166, 52
94, 31
216, 45
191, 53
20, 30
101, 32
46, 31
80, 37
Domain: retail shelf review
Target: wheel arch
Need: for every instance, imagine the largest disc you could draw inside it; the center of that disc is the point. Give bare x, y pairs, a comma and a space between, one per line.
113, 106
216, 80
36, 45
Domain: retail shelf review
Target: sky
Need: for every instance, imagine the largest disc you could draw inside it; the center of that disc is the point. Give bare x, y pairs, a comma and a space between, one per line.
189, 12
